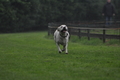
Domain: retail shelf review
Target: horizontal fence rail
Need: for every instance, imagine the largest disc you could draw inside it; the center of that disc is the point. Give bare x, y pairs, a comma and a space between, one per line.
81, 31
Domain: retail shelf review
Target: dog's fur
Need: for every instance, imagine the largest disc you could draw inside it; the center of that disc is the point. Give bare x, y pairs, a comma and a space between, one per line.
61, 36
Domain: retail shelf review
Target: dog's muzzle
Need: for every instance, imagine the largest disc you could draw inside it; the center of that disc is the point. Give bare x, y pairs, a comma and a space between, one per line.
64, 30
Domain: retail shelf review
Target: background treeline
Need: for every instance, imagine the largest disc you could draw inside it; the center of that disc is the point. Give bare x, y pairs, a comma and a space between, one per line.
27, 15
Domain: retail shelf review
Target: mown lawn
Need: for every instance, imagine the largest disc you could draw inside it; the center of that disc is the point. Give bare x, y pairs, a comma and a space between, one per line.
33, 56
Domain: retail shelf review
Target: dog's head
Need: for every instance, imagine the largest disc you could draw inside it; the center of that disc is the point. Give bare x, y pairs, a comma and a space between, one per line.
62, 28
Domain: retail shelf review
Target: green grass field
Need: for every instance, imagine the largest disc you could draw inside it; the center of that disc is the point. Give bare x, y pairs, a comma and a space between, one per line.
34, 56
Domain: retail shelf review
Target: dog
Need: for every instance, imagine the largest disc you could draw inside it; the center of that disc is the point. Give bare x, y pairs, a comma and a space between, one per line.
61, 37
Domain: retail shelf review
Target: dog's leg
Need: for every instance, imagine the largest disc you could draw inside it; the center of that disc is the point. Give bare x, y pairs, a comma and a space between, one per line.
63, 48
66, 50
60, 51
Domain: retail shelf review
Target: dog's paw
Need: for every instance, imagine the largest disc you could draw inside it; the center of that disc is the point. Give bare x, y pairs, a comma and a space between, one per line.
63, 50
60, 51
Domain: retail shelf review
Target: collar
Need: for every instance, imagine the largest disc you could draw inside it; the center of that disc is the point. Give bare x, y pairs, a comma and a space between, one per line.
63, 36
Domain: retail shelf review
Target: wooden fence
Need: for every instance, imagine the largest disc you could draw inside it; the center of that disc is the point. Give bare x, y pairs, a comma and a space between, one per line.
90, 31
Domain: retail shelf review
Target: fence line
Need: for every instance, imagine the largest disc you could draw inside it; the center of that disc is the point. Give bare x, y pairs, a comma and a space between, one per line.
86, 31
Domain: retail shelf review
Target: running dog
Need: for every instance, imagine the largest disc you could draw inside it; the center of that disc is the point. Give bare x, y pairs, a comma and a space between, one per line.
61, 36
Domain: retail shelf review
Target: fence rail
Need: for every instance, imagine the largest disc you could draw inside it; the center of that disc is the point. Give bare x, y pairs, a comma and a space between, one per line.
87, 31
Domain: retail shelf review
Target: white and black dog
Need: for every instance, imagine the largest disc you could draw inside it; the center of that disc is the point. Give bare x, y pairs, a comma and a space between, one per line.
61, 36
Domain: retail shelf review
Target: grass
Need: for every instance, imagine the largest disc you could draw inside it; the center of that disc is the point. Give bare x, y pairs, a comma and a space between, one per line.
95, 41
34, 56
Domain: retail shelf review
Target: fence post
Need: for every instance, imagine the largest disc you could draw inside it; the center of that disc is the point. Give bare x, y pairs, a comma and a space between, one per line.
79, 33
70, 30
88, 34
52, 30
119, 34
48, 31
104, 37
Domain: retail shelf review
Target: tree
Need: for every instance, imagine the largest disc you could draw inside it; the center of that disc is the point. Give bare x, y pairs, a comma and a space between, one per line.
25, 15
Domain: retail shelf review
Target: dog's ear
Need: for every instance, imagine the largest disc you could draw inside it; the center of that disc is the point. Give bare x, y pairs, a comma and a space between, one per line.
66, 27
58, 28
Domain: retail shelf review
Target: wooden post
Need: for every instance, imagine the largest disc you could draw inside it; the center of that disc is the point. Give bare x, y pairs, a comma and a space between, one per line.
48, 31
53, 29
88, 34
104, 37
79, 33
70, 31
119, 34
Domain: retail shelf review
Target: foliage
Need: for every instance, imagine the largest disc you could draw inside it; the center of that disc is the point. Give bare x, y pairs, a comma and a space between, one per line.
25, 15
